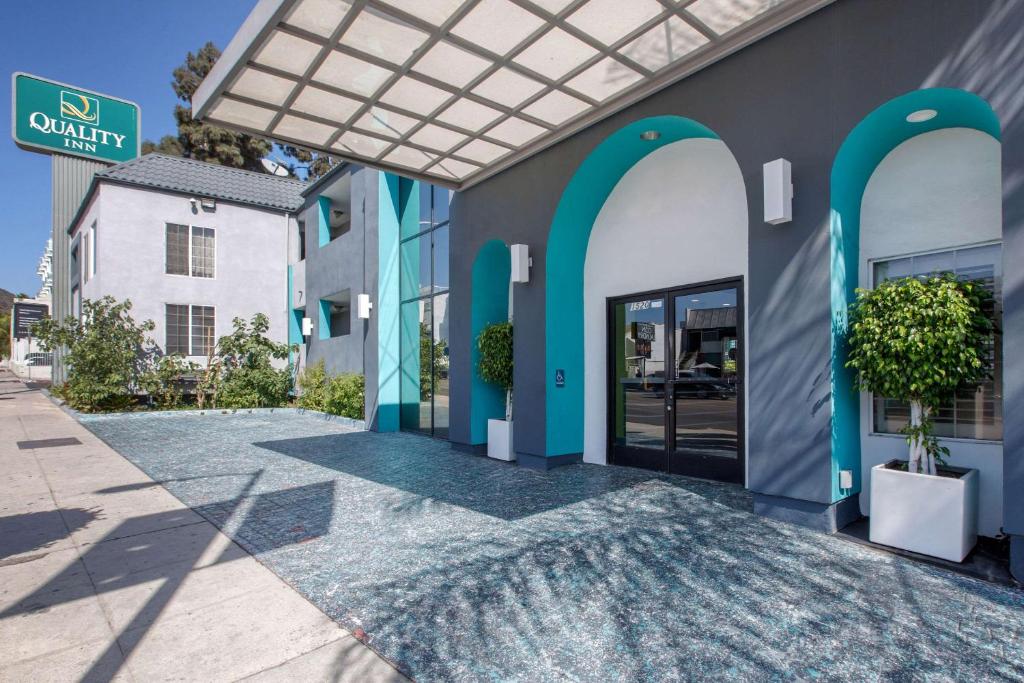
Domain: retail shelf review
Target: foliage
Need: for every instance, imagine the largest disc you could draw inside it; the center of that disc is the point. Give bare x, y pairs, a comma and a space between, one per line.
346, 395
343, 394
106, 353
919, 341
432, 356
313, 387
495, 365
314, 163
5, 334
164, 381
244, 372
200, 140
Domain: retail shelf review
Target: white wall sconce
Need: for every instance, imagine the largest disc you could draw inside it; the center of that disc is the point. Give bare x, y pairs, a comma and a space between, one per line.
521, 263
307, 327
778, 192
363, 306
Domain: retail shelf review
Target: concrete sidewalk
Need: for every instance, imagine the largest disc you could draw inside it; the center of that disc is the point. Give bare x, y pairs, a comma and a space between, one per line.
105, 575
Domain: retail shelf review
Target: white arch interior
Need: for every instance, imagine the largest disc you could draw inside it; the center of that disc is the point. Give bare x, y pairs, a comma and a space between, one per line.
935, 192
677, 217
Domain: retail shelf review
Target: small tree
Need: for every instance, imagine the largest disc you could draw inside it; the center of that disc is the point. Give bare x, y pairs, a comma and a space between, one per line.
248, 378
107, 353
919, 341
495, 366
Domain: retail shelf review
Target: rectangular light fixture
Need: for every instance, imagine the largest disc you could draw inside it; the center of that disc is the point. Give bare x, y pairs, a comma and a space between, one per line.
363, 306
521, 263
307, 327
778, 192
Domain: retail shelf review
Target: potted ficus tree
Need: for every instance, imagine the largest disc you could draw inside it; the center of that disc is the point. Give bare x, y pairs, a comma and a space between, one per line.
919, 341
495, 367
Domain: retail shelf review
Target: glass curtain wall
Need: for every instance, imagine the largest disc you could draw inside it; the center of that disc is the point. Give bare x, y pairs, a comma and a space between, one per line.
424, 314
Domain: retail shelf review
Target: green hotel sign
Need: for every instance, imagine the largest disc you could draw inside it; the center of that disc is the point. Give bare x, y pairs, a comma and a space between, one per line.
54, 118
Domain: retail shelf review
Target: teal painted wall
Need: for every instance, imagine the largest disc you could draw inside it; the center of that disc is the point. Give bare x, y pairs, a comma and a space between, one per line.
324, 312
865, 147
566, 254
387, 307
323, 220
492, 269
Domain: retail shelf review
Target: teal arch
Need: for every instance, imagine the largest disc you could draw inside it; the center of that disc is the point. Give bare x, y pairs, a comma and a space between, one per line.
862, 151
491, 271
566, 254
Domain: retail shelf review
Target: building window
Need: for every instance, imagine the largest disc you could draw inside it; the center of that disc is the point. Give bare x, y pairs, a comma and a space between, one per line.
190, 329
972, 414
85, 258
424, 313
177, 249
93, 252
191, 250
176, 324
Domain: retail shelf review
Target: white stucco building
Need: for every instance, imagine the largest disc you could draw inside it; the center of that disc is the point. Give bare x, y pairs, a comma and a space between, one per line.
192, 245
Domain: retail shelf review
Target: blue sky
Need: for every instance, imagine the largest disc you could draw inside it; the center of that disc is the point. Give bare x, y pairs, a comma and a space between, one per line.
124, 48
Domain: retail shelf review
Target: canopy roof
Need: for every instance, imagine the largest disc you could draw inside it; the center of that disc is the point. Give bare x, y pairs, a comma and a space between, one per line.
453, 91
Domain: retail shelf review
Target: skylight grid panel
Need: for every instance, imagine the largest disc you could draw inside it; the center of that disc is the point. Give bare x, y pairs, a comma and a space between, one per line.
556, 107
508, 87
387, 123
555, 54
432, 11
604, 79
383, 36
722, 16
259, 85
319, 16
326, 105
286, 52
352, 74
664, 44
242, 114
449, 64
409, 157
497, 25
366, 146
468, 115
608, 21
303, 130
415, 96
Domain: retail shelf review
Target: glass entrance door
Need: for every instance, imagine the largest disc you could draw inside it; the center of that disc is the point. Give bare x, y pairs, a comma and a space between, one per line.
638, 382
705, 391
675, 397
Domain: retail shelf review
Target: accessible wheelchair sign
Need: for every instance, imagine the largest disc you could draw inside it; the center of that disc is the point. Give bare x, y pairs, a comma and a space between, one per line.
54, 118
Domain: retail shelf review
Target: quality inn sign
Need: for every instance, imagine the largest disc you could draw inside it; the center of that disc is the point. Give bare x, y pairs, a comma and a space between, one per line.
54, 118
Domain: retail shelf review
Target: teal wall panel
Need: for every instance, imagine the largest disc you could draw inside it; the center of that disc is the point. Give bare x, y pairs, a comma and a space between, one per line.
492, 269
323, 220
387, 307
862, 151
566, 254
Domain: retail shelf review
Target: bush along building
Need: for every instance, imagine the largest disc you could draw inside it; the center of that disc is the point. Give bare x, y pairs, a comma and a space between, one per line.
686, 196
192, 245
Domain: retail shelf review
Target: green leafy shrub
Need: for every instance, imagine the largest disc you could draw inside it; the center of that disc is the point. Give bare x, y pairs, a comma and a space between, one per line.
243, 374
919, 341
106, 354
346, 396
165, 380
313, 387
495, 366
343, 394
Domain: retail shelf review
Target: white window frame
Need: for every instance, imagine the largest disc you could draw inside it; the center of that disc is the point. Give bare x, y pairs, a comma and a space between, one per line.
92, 250
188, 256
191, 351
871, 280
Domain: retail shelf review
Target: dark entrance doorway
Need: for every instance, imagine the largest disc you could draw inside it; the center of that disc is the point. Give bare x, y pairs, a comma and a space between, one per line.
675, 394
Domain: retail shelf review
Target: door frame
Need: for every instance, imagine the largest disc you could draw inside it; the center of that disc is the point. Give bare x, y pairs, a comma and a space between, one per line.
668, 294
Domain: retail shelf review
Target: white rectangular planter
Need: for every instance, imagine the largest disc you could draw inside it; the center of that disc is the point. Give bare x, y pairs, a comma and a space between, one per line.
499, 440
925, 514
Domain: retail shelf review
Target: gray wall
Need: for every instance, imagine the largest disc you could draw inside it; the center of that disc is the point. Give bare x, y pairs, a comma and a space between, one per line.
69, 180
348, 262
795, 94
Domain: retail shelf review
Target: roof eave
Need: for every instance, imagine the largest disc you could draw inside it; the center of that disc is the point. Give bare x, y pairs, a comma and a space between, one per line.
254, 29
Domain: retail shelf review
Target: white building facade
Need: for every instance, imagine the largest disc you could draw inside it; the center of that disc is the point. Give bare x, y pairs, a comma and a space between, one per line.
192, 245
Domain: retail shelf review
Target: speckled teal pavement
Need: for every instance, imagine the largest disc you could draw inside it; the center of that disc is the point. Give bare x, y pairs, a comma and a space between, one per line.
461, 568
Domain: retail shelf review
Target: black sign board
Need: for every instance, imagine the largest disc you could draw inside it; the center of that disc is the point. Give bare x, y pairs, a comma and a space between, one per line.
27, 315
